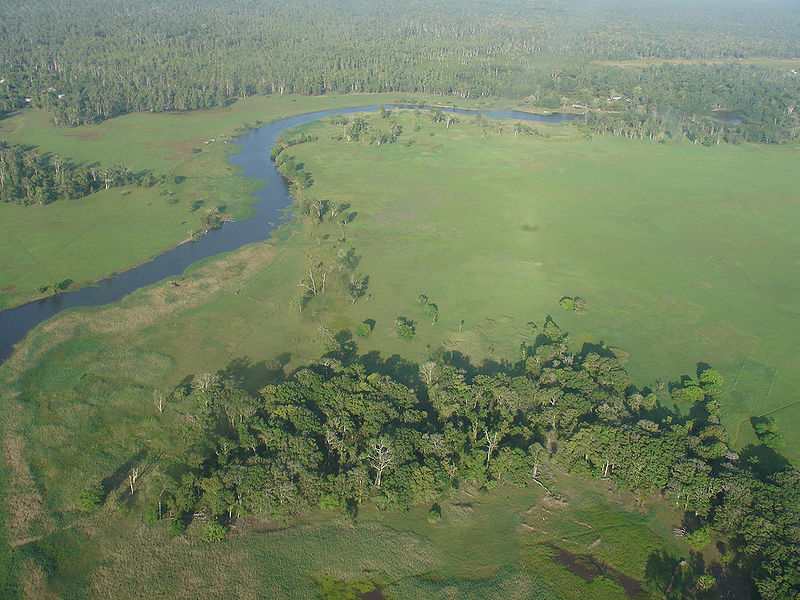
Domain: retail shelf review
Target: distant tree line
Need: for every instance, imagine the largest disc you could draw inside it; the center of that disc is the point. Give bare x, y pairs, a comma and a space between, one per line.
147, 56
341, 432
27, 177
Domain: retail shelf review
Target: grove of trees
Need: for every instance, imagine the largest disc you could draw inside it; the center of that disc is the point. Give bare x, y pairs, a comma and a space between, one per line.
340, 433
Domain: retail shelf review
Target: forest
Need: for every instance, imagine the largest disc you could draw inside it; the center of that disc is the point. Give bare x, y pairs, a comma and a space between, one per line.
179, 57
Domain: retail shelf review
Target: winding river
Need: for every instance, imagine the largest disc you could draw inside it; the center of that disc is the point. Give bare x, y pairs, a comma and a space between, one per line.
273, 199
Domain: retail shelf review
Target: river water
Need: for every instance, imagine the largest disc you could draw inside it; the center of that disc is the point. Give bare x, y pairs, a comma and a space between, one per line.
272, 201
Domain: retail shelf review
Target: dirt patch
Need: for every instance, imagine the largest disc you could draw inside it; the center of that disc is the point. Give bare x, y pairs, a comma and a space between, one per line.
87, 135
587, 567
8, 289
555, 501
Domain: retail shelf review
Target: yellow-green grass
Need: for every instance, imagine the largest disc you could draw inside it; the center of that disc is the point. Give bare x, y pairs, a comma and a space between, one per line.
81, 241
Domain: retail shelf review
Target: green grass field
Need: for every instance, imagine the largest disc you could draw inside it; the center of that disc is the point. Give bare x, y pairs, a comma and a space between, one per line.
683, 254
69, 242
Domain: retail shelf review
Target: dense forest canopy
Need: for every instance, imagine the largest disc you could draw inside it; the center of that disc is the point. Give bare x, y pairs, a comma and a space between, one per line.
183, 56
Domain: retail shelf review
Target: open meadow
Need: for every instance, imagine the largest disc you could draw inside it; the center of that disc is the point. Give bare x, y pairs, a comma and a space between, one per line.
683, 254
74, 243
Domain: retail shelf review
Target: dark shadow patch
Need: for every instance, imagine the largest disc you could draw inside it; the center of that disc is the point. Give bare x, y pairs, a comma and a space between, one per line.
588, 568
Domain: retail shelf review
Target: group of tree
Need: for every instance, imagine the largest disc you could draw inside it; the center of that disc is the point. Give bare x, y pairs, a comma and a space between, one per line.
330, 262
153, 57
339, 434
366, 130
27, 177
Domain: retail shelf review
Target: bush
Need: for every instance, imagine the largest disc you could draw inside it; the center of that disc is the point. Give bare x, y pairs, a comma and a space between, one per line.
363, 329
404, 328
151, 514
700, 538
329, 501
435, 513
767, 432
213, 531
90, 499
176, 526
567, 303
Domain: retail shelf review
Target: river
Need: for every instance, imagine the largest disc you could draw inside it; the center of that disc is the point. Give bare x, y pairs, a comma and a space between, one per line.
272, 201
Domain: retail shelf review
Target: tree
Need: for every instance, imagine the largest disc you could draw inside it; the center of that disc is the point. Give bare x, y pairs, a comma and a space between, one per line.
380, 458
404, 328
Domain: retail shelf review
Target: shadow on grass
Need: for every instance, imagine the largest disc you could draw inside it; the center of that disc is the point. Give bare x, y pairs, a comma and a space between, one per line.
253, 376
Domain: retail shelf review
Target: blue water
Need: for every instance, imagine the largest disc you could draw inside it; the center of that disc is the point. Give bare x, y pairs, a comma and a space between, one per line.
272, 200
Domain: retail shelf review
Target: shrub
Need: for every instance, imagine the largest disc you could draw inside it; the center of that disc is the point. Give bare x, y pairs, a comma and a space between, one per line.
151, 514
404, 328
700, 538
90, 499
329, 501
176, 526
567, 303
767, 432
213, 531
363, 329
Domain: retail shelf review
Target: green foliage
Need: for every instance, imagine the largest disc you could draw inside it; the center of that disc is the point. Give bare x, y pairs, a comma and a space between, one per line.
404, 328
91, 498
700, 538
767, 432
332, 589
567, 303
213, 531
151, 514
653, 99
435, 513
363, 329
176, 526
711, 381
329, 501
26, 177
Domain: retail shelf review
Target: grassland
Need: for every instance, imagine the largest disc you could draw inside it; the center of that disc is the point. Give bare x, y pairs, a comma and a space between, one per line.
682, 254
77, 242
